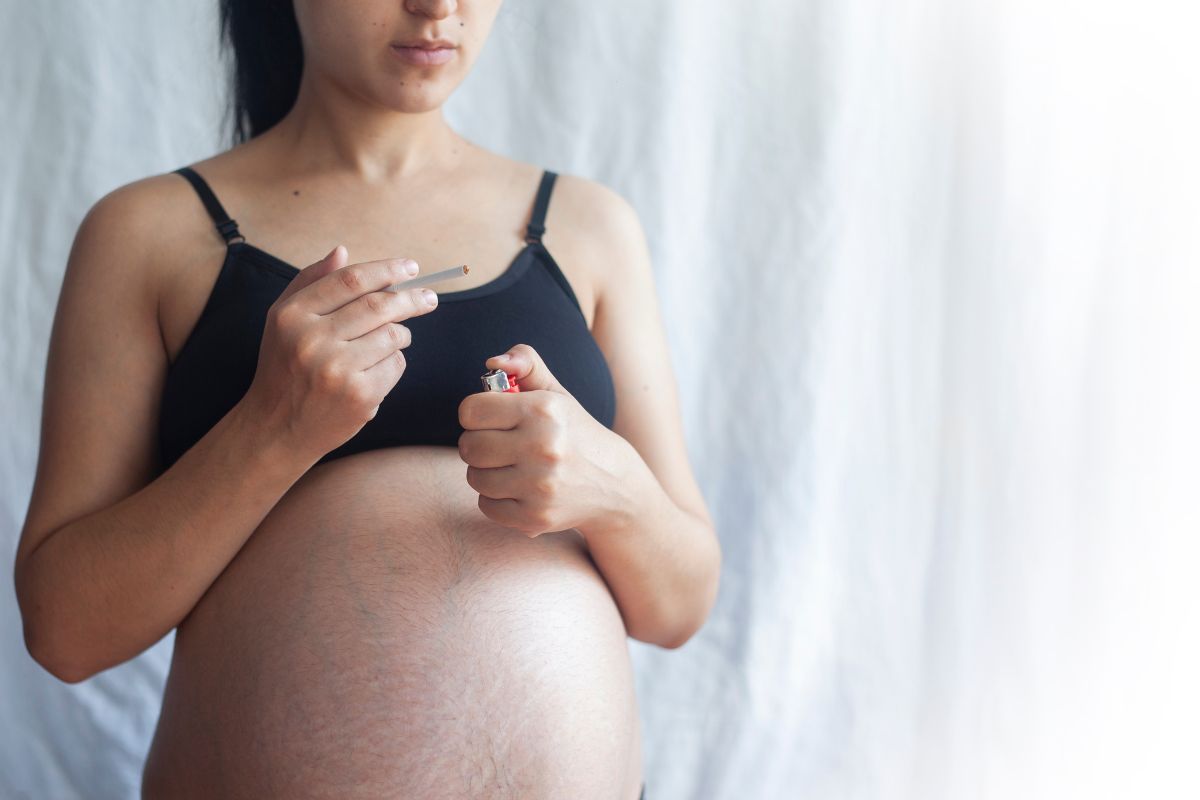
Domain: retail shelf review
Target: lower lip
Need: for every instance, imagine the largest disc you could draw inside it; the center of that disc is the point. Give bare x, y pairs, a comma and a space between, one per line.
424, 58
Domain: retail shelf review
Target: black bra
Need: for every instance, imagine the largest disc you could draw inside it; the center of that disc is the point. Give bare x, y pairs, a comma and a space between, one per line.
530, 302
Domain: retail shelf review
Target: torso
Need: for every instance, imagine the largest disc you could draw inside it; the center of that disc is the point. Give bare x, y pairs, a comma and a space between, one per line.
377, 636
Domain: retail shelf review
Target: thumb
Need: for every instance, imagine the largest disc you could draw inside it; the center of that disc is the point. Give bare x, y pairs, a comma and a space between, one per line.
531, 371
334, 260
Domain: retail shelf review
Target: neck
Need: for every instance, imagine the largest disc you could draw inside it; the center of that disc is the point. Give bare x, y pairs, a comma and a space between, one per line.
329, 130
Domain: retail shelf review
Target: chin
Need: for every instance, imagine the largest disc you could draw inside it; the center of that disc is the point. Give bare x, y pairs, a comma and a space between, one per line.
415, 97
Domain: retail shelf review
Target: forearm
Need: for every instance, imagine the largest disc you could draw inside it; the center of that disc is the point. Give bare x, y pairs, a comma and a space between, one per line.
661, 563
103, 588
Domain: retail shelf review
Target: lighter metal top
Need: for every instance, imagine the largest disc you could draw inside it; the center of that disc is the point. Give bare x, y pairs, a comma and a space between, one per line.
497, 381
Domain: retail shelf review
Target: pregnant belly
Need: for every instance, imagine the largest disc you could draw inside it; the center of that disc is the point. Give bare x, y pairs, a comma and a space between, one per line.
377, 636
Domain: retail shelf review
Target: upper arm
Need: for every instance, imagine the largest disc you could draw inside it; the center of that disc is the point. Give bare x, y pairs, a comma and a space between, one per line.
629, 330
104, 371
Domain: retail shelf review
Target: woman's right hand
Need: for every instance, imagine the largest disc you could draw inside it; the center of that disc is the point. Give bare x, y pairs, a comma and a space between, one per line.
331, 349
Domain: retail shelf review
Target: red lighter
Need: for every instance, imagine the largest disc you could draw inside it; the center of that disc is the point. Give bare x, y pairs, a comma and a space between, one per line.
499, 381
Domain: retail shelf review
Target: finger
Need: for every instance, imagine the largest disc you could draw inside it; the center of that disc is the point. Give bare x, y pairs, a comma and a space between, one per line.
344, 285
490, 411
531, 370
384, 375
499, 483
334, 260
372, 347
374, 309
505, 511
487, 449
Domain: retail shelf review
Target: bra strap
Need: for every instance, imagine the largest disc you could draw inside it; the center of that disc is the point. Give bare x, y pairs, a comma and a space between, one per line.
226, 226
533, 233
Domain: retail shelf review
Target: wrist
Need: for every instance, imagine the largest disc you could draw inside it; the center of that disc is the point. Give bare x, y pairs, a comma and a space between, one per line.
269, 439
626, 494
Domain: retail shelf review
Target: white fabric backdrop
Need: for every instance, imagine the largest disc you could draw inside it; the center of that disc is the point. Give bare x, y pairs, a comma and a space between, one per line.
929, 273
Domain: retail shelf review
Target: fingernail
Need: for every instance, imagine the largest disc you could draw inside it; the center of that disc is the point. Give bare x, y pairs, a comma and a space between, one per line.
502, 357
429, 296
410, 267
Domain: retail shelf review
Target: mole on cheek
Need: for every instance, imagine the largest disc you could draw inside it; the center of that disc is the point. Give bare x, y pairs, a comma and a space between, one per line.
295, 192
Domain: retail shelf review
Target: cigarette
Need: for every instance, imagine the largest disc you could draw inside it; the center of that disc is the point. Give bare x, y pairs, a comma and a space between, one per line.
433, 277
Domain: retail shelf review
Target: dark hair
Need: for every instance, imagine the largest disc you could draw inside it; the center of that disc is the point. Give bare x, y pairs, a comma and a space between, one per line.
267, 61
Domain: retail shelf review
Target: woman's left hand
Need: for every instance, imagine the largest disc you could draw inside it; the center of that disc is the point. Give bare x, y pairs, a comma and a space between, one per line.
538, 459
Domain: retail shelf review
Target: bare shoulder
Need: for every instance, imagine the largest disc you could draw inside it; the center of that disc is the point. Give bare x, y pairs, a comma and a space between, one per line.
131, 214
597, 215
120, 239
152, 222
593, 225
168, 244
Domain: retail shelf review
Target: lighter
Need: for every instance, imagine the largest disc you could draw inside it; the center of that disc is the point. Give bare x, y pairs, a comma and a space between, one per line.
499, 381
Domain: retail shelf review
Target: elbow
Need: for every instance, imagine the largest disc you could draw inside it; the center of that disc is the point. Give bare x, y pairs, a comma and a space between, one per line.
680, 634
676, 636
51, 659
677, 642
665, 630
688, 621
41, 641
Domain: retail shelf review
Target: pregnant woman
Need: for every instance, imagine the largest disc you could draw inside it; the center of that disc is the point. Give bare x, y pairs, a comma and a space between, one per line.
384, 580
